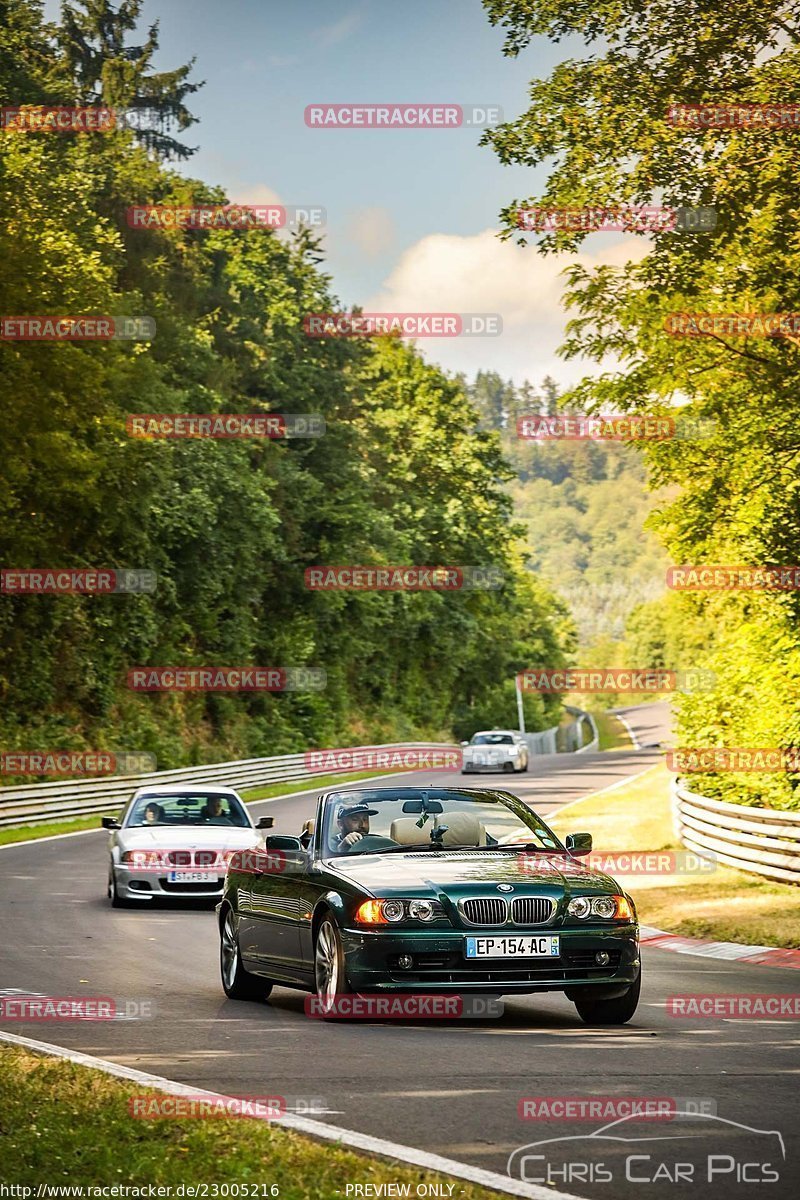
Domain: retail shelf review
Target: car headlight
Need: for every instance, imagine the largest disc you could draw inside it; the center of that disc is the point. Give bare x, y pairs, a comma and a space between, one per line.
608, 908
144, 860
389, 912
393, 910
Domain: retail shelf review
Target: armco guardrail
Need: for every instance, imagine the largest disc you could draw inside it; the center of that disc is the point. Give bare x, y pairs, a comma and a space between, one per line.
33, 803
581, 747
762, 841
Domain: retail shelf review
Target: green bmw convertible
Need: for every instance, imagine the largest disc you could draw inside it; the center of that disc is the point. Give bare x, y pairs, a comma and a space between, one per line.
428, 890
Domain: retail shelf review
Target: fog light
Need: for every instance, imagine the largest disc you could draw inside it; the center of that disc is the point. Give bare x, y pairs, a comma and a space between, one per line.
406, 962
602, 958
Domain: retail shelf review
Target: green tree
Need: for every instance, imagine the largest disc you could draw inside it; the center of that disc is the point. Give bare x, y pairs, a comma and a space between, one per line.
604, 122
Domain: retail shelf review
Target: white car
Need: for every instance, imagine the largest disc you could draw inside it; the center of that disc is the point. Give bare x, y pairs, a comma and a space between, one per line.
174, 842
495, 750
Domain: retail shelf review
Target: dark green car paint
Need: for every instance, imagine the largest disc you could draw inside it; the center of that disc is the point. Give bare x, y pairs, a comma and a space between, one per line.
280, 900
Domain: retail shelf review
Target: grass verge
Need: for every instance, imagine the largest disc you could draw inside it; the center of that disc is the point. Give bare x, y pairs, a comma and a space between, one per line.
66, 1124
613, 734
723, 905
24, 833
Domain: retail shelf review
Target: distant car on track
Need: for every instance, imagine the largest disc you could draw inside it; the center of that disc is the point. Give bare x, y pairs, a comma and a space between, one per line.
495, 750
173, 842
428, 889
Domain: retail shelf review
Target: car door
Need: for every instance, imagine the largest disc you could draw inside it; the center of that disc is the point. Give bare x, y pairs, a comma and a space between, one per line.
270, 905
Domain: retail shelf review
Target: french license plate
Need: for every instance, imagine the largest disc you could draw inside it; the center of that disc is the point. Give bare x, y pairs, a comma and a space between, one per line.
543, 946
193, 877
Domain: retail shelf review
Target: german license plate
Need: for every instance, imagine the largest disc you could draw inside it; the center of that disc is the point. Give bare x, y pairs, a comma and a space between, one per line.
193, 877
543, 946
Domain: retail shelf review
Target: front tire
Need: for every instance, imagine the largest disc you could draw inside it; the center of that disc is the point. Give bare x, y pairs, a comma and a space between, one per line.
329, 969
610, 1012
113, 894
237, 983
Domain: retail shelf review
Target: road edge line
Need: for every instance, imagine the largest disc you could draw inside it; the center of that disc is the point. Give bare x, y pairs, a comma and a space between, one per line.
637, 745
348, 1138
611, 787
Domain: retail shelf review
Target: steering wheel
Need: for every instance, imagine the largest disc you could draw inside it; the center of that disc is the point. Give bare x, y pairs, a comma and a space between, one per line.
371, 842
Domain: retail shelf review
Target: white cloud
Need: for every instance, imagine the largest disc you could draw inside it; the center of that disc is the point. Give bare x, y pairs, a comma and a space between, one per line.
372, 229
254, 193
446, 273
332, 35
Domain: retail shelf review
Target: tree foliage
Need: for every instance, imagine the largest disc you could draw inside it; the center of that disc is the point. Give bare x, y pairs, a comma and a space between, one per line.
602, 122
401, 476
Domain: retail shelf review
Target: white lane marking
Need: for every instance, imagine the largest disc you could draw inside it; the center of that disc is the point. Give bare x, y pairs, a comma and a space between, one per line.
52, 837
636, 743
350, 1138
600, 791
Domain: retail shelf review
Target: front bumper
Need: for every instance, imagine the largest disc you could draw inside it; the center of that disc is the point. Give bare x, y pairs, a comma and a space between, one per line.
439, 963
141, 885
503, 764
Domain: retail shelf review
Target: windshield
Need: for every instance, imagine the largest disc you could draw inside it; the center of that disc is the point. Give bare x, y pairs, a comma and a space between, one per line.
375, 820
188, 808
492, 739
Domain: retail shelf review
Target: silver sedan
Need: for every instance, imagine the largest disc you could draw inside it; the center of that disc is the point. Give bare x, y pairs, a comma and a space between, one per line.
174, 842
495, 750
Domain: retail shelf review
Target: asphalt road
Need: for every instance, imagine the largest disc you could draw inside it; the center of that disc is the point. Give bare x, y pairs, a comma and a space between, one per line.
452, 1089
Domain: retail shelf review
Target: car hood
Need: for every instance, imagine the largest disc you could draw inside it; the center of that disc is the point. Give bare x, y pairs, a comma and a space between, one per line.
190, 837
464, 872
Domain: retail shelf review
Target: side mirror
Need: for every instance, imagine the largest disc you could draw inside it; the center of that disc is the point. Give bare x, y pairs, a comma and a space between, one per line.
280, 841
110, 823
579, 843
265, 822
465, 743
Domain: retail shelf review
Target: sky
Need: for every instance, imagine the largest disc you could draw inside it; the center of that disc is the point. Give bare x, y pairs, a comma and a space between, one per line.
411, 215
